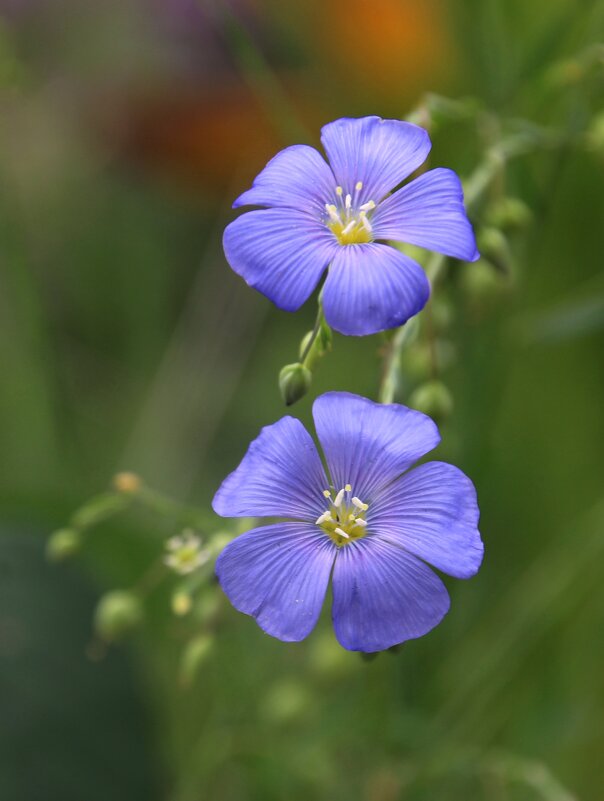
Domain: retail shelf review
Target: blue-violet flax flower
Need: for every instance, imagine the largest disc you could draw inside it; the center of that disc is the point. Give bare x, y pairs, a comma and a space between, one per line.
370, 522
342, 215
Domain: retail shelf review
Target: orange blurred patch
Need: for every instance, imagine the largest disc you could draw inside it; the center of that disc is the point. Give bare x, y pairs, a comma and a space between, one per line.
386, 45
202, 137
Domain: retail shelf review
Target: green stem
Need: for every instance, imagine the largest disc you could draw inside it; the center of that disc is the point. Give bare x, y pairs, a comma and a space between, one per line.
391, 375
309, 355
167, 507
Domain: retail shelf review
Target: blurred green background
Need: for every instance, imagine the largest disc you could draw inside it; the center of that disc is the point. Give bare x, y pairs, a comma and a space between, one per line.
127, 128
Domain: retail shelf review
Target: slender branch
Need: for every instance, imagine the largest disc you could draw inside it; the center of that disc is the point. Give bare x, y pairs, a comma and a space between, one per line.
313, 336
488, 170
391, 374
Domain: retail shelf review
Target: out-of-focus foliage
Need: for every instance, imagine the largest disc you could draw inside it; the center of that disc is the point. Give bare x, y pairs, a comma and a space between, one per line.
127, 344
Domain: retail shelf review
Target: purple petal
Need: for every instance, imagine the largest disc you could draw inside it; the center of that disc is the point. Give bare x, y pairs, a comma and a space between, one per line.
372, 287
368, 444
280, 252
281, 475
429, 213
432, 512
297, 177
278, 574
383, 595
379, 153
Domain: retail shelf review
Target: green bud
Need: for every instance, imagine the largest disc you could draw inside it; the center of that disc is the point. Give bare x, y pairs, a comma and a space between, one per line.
312, 348
194, 655
494, 247
62, 544
482, 282
99, 508
117, 613
219, 540
207, 606
509, 213
418, 361
287, 701
294, 382
434, 399
127, 482
325, 337
181, 602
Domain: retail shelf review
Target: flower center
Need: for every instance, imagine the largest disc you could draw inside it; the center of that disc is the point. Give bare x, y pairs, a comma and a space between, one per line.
347, 219
184, 553
344, 520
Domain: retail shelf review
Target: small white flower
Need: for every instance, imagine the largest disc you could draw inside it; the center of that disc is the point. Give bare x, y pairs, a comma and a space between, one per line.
185, 553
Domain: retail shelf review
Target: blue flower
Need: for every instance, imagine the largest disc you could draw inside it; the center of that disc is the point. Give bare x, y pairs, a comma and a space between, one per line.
342, 215
367, 522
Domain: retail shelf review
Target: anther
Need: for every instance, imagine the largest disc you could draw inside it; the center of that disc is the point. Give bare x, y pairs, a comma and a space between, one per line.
323, 518
333, 212
348, 201
327, 493
342, 533
339, 498
359, 186
365, 222
369, 206
339, 191
360, 504
360, 522
348, 488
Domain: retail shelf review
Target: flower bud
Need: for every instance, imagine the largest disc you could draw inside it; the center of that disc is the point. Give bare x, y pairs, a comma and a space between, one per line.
482, 282
62, 544
208, 606
325, 337
286, 702
315, 345
181, 603
117, 613
418, 361
294, 382
220, 539
494, 247
434, 399
127, 482
194, 655
509, 213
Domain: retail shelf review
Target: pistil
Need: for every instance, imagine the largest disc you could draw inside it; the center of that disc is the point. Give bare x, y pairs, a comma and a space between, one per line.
344, 521
350, 223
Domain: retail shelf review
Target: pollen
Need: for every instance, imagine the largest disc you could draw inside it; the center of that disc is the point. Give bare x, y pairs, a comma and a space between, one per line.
344, 521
